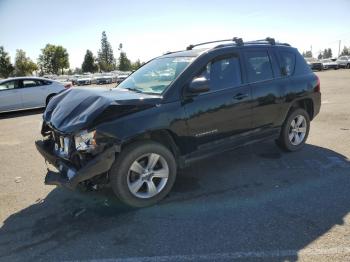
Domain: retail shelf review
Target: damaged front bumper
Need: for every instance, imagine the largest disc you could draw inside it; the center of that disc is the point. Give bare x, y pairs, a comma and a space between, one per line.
68, 176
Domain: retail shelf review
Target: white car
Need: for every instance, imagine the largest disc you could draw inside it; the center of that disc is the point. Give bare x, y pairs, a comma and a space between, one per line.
21, 93
344, 61
329, 64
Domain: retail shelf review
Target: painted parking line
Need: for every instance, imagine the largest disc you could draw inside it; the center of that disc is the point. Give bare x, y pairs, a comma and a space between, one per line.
231, 256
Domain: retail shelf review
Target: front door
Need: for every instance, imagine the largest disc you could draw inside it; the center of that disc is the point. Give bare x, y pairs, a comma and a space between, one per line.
225, 110
10, 96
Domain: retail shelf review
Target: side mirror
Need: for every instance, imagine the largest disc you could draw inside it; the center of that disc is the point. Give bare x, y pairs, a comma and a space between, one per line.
199, 85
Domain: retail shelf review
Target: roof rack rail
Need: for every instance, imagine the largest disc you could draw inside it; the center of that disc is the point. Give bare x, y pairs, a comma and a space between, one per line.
238, 41
269, 40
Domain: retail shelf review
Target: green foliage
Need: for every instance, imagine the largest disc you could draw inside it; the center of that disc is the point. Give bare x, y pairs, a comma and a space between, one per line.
330, 54
24, 65
77, 71
307, 54
53, 59
136, 65
346, 51
327, 53
6, 68
106, 60
124, 62
89, 64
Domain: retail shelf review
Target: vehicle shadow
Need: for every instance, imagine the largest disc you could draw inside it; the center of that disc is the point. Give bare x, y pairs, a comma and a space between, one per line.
28, 112
256, 198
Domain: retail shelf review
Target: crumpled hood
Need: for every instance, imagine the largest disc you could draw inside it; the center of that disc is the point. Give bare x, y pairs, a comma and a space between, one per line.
75, 109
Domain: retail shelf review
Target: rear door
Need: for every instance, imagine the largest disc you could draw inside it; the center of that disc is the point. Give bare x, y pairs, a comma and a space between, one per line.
267, 92
10, 96
34, 92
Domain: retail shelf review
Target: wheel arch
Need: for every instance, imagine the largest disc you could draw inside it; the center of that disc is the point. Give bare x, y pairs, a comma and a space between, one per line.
162, 136
305, 103
49, 97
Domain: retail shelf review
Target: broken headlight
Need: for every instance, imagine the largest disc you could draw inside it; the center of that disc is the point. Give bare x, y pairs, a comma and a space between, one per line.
85, 141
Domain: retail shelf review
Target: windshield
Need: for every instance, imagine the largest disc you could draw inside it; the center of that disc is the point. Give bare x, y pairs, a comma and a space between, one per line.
157, 75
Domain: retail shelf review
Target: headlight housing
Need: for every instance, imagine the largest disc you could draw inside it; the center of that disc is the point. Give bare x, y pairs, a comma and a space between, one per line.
85, 141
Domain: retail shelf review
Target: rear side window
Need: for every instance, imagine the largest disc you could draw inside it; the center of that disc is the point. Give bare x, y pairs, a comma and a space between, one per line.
258, 66
288, 62
45, 82
223, 73
30, 83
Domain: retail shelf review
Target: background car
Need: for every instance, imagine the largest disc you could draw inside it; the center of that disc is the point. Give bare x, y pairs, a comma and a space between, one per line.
84, 80
344, 62
121, 78
104, 79
27, 92
314, 64
329, 64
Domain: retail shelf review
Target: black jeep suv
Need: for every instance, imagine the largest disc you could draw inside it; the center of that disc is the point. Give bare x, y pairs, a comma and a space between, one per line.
175, 109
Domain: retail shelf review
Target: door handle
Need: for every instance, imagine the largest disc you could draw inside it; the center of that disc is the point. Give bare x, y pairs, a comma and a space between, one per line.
240, 96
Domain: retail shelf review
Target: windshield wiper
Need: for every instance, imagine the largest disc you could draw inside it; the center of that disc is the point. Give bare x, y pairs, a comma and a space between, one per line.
134, 89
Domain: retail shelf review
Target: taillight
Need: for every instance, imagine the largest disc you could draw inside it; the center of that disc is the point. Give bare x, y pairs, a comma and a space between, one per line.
68, 86
318, 85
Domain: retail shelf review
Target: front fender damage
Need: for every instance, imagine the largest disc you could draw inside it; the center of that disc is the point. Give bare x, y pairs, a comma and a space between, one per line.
68, 176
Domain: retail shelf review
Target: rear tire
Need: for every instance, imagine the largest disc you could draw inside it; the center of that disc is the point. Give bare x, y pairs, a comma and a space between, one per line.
143, 174
295, 131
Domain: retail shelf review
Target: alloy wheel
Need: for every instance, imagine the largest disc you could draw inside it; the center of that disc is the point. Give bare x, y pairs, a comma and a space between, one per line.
148, 175
297, 130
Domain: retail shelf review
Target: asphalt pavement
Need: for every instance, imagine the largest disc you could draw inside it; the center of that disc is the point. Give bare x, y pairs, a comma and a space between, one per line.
256, 203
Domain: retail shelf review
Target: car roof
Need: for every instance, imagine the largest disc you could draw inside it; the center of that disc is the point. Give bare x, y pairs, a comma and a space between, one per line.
25, 77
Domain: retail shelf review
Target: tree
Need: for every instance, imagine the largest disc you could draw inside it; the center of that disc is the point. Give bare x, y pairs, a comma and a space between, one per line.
136, 65
346, 51
307, 54
61, 58
320, 55
53, 59
6, 68
77, 71
24, 65
106, 60
124, 62
327, 53
330, 54
89, 64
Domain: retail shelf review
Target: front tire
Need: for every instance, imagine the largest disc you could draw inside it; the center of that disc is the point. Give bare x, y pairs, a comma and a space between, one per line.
143, 174
295, 131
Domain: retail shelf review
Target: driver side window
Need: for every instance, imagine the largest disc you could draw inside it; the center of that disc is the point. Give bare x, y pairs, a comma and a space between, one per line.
9, 85
223, 73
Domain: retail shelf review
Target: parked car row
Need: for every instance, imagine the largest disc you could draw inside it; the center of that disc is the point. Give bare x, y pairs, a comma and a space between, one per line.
324, 64
89, 79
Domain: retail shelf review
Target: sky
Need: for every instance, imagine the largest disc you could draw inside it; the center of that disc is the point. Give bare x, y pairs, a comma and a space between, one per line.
150, 28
